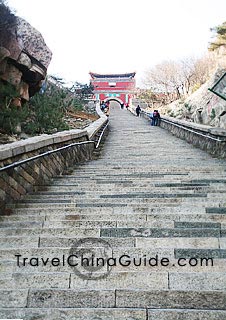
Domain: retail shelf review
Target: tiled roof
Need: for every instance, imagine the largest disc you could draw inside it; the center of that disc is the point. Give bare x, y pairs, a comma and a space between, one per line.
119, 75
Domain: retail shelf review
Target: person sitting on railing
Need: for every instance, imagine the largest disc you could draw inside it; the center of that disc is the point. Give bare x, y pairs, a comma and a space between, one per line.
155, 118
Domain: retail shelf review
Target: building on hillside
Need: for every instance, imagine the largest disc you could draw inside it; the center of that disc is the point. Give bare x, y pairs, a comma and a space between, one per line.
117, 87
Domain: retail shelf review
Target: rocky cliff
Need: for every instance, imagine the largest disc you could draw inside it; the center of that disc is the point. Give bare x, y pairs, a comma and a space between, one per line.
24, 57
202, 106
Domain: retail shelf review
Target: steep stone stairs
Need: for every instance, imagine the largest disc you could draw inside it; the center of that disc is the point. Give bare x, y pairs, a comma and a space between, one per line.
148, 195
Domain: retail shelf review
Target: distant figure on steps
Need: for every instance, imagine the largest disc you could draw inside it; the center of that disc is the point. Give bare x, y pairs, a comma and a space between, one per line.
138, 110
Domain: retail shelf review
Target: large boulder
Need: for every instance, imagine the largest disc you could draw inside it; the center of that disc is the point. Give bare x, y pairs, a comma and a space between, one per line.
24, 57
33, 43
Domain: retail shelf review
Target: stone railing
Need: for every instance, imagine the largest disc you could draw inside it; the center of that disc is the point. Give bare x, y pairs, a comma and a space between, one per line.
31, 162
210, 139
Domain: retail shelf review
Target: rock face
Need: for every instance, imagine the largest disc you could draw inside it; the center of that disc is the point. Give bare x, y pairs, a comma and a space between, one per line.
202, 106
24, 59
206, 107
33, 43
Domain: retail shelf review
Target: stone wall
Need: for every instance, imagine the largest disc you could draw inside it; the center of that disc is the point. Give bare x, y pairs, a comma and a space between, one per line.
212, 140
16, 182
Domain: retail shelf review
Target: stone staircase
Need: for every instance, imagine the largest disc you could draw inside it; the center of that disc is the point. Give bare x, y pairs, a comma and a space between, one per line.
148, 195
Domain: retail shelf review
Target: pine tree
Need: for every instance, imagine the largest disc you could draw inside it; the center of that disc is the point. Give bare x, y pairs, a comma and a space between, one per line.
220, 37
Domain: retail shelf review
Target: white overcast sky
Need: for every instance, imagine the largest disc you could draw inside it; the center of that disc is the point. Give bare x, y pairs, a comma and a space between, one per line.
120, 36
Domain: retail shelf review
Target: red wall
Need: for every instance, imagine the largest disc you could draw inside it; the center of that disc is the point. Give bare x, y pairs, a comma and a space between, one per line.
99, 86
122, 90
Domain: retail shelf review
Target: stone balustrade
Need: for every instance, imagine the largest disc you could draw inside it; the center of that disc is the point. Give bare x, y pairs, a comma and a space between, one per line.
15, 182
210, 139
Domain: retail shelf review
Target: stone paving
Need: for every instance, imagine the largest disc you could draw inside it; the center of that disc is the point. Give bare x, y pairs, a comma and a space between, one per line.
151, 209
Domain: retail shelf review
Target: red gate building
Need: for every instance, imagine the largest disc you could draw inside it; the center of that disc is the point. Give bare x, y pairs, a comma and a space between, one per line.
118, 87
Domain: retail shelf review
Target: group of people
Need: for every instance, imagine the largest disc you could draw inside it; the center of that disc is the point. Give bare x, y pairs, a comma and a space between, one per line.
104, 106
126, 105
154, 116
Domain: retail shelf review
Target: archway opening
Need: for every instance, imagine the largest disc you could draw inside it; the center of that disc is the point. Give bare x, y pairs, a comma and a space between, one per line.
114, 103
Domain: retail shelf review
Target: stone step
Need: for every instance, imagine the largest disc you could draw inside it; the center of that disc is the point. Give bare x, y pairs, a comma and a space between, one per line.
167, 182
187, 224
106, 223
184, 217
90, 190
76, 314
130, 209
59, 210
213, 300
22, 217
62, 280
111, 193
177, 314
80, 224
29, 206
62, 253
117, 213
67, 242
160, 232
56, 298
19, 242
182, 242
129, 219
39, 280
75, 217
21, 224
197, 281
125, 246
123, 280
125, 198
97, 167
200, 253
49, 232
162, 260
71, 298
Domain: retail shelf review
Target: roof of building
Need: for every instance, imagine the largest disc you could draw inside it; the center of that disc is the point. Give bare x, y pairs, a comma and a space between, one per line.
118, 75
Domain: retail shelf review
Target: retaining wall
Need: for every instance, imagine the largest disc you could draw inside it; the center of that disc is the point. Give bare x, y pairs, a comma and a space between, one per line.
17, 181
210, 139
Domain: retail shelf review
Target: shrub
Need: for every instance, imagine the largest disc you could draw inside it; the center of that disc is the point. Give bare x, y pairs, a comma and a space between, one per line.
47, 112
187, 106
10, 116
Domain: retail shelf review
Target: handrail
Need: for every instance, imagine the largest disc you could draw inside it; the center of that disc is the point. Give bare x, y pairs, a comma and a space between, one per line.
193, 131
99, 140
190, 130
18, 163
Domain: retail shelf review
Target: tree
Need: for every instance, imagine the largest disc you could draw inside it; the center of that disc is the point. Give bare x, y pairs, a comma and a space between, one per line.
178, 79
82, 91
219, 35
165, 77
